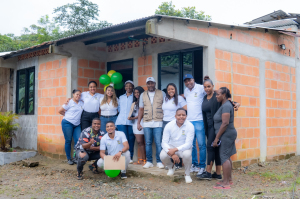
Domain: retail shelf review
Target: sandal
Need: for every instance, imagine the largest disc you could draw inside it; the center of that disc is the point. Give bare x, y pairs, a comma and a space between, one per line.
79, 176
93, 169
222, 187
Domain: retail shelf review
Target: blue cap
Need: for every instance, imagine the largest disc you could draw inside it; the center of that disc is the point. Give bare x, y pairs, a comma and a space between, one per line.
188, 76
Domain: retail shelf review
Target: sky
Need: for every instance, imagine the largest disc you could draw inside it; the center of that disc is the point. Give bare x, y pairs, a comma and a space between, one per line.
17, 14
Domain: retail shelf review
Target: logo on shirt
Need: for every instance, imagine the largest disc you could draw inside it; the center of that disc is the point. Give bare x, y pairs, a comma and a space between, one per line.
183, 132
173, 102
119, 142
195, 94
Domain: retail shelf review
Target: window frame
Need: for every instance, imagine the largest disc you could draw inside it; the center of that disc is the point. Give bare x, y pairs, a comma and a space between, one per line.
27, 81
180, 53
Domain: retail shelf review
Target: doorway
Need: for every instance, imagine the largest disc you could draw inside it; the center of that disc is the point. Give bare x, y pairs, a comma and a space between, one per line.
125, 67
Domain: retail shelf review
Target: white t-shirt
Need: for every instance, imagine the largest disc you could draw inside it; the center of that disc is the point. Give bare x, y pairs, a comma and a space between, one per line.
152, 124
181, 138
115, 145
194, 99
91, 103
169, 108
73, 111
108, 109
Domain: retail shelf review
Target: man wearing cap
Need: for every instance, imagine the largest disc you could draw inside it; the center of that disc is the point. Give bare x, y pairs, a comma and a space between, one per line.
194, 94
150, 109
122, 123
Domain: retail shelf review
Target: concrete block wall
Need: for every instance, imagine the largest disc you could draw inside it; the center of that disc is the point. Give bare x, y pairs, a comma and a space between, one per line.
52, 93
280, 108
240, 74
89, 70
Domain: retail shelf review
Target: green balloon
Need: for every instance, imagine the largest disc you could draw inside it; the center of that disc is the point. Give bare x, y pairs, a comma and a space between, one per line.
119, 86
116, 78
112, 173
104, 79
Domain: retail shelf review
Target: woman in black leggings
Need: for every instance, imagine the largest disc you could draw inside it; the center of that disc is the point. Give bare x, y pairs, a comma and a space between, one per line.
210, 106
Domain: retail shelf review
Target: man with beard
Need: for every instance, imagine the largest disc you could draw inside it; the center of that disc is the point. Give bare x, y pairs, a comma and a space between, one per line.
88, 147
150, 109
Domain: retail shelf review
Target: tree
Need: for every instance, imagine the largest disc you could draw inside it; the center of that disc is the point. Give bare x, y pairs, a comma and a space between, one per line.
79, 17
167, 8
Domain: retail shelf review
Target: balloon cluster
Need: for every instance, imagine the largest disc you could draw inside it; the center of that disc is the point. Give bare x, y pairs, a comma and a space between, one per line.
112, 78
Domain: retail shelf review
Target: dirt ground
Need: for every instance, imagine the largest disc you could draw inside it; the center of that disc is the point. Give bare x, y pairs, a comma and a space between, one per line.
55, 179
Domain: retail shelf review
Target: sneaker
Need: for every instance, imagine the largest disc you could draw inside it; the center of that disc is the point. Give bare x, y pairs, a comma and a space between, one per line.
194, 169
216, 176
160, 165
131, 161
178, 168
188, 179
171, 171
123, 176
201, 170
148, 165
204, 176
166, 168
70, 162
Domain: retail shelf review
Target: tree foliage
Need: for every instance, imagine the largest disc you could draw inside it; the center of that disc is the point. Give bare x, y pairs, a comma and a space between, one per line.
70, 19
167, 8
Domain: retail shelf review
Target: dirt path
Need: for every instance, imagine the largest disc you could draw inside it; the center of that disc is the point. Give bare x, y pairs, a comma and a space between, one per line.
56, 179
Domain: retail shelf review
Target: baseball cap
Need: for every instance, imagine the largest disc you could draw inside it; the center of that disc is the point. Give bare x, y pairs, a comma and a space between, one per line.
188, 76
129, 81
150, 79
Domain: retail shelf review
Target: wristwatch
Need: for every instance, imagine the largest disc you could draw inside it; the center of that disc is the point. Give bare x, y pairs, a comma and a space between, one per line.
121, 152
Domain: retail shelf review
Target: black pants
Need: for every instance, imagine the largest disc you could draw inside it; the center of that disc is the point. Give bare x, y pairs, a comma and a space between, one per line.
81, 161
87, 118
213, 154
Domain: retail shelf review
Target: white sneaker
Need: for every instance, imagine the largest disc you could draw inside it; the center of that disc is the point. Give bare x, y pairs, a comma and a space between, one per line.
193, 169
130, 162
196, 169
201, 170
160, 165
148, 165
171, 171
188, 179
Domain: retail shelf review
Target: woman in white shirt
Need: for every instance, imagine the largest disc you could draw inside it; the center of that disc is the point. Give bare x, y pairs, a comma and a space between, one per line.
91, 105
71, 122
133, 116
108, 107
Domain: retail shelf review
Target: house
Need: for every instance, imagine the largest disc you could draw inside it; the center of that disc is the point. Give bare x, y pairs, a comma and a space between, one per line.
258, 61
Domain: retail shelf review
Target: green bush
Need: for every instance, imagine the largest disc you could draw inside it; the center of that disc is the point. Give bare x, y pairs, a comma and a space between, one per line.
7, 126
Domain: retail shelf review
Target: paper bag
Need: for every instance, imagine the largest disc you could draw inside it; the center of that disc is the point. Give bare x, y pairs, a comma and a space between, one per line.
110, 164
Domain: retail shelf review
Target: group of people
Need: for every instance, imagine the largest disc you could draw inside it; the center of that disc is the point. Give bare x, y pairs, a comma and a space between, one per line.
175, 122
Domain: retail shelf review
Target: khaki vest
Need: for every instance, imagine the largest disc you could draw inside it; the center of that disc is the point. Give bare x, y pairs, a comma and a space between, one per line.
153, 112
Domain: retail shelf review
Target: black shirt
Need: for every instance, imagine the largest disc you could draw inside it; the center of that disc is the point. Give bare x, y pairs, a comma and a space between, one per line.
206, 107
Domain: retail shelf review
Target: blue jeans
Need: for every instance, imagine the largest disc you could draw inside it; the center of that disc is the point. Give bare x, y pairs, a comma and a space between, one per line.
104, 120
200, 136
127, 129
70, 131
149, 133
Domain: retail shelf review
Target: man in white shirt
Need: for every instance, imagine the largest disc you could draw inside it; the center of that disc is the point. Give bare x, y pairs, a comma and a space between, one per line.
194, 94
177, 143
116, 144
150, 109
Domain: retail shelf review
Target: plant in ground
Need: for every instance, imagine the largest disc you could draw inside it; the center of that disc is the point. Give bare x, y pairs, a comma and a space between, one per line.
7, 126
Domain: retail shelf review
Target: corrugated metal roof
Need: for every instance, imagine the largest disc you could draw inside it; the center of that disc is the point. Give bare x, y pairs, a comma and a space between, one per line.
269, 17
4, 53
123, 27
276, 24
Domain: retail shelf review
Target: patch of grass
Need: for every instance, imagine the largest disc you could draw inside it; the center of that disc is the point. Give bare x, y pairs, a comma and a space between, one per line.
219, 195
277, 176
284, 189
65, 191
252, 173
298, 180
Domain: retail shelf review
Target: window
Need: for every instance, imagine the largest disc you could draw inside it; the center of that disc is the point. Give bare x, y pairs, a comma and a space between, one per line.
25, 91
172, 66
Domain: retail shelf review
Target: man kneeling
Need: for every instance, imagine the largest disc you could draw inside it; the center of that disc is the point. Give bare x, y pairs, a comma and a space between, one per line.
116, 144
88, 147
177, 143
